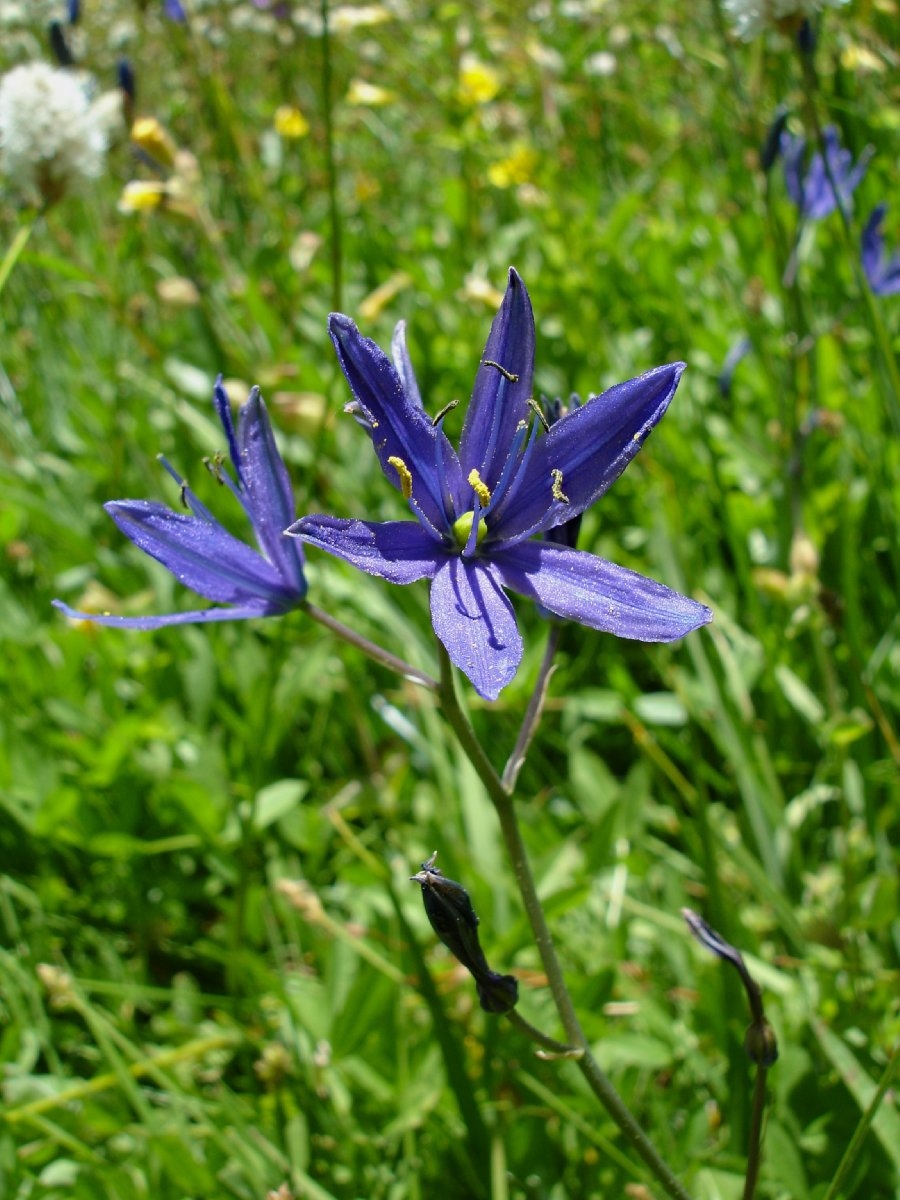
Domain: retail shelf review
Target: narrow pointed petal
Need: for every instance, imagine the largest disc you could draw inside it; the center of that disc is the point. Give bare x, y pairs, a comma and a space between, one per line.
400, 428
268, 489
399, 551
499, 403
240, 612
475, 621
223, 410
591, 447
203, 556
403, 365
597, 593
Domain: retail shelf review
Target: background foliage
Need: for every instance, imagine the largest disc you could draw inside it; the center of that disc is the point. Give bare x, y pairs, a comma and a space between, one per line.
214, 975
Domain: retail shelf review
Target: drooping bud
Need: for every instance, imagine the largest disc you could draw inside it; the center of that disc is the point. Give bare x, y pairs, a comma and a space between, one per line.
760, 1042
58, 44
452, 917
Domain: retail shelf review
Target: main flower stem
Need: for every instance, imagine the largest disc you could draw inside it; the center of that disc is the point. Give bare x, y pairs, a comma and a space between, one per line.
754, 1150
502, 799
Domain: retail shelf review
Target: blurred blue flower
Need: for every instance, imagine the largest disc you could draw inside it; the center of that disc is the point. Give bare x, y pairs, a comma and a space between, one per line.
883, 273
811, 188
174, 10
476, 511
201, 553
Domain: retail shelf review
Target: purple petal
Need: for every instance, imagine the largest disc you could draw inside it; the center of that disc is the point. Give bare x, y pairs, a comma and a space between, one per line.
883, 273
400, 428
202, 555
591, 446
403, 365
268, 491
476, 623
792, 151
499, 403
873, 242
223, 409
240, 612
174, 10
399, 551
597, 593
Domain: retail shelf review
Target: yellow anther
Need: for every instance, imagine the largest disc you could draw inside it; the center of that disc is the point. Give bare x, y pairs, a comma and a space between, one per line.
405, 475
556, 486
480, 489
539, 413
508, 375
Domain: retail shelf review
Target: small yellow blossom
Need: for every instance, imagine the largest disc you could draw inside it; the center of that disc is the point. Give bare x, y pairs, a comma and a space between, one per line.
479, 83
369, 95
517, 167
154, 140
290, 122
142, 196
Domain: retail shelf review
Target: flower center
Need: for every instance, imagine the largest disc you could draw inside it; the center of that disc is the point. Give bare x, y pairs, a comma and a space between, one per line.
462, 530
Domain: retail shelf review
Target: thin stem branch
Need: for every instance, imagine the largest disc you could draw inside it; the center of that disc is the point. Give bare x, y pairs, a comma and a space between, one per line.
501, 798
533, 713
556, 1049
370, 649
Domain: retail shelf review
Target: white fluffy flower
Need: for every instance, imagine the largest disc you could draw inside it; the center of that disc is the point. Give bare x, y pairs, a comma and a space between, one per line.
52, 139
752, 17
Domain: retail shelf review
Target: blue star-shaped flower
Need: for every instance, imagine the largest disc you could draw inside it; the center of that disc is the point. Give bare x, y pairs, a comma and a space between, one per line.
811, 188
477, 511
201, 553
882, 272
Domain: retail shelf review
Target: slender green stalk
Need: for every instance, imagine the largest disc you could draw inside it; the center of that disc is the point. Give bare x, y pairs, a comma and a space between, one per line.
754, 1149
369, 648
501, 798
14, 253
337, 266
859, 1134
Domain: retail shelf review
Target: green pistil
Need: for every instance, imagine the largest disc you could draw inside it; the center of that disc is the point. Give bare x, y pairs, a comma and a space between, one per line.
462, 529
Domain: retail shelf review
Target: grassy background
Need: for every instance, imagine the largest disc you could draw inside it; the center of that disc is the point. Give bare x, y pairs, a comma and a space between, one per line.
214, 975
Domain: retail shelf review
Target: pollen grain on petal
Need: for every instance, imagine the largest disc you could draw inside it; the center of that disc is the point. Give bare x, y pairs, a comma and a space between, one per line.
479, 488
406, 479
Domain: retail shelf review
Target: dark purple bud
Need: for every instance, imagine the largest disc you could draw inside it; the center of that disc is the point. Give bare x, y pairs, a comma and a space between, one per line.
59, 45
74, 9
497, 993
126, 80
761, 1044
771, 147
452, 917
806, 37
